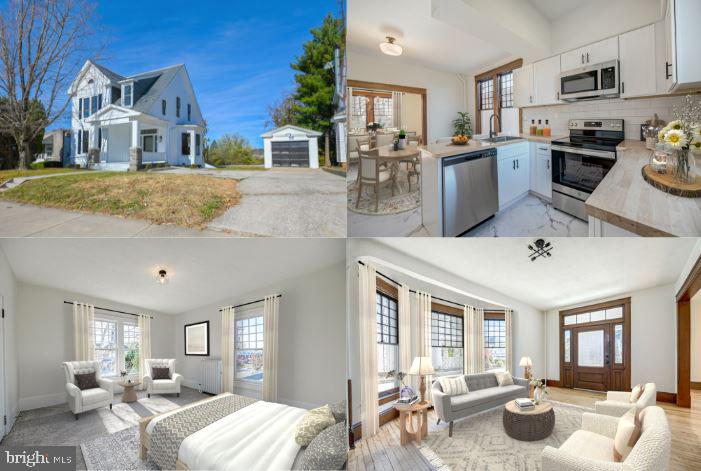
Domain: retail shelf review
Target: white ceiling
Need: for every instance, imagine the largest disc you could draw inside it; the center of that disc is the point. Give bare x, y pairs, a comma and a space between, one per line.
202, 272
553, 9
580, 269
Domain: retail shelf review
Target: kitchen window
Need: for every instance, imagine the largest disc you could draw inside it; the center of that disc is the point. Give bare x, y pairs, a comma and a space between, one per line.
494, 91
248, 349
494, 343
506, 89
486, 94
447, 343
116, 346
387, 342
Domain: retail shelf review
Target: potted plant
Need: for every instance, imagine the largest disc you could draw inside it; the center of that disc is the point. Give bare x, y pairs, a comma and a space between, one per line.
682, 138
540, 390
462, 129
402, 139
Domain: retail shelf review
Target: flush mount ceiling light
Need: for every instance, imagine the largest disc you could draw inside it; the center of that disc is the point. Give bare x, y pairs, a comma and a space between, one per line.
539, 248
162, 276
390, 48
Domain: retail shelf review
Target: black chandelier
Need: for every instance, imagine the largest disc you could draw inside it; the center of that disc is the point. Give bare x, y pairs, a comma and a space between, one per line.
539, 248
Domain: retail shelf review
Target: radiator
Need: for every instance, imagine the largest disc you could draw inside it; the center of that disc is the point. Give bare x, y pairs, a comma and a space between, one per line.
211, 376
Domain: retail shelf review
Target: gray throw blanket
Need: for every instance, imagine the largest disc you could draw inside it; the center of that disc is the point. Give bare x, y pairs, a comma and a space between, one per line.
169, 433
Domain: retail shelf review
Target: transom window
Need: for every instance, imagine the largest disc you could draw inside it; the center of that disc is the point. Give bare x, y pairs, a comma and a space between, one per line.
506, 89
594, 316
116, 346
447, 343
248, 349
387, 341
486, 94
494, 344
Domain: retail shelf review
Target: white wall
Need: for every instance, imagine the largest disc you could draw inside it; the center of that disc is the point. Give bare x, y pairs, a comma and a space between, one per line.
45, 340
653, 337
693, 256
446, 92
696, 338
8, 293
311, 340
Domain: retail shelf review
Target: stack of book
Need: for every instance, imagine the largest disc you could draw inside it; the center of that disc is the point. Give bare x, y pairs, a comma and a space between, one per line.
525, 404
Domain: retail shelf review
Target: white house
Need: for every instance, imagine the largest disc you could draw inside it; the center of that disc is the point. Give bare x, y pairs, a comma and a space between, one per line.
291, 146
151, 117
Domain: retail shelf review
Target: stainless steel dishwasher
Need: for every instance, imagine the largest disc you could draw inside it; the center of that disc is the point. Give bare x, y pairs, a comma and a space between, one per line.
470, 190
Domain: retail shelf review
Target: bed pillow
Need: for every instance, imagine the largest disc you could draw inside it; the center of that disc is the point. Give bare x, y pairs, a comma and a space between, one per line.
505, 379
453, 385
339, 411
627, 434
160, 373
86, 381
328, 450
313, 422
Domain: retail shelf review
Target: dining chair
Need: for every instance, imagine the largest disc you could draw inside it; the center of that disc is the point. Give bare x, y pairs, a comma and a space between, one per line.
384, 140
371, 173
413, 168
355, 145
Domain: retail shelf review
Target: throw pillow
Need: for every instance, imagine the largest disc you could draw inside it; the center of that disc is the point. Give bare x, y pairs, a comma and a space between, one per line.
160, 373
636, 393
86, 381
339, 411
627, 435
328, 449
313, 422
504, 379
453, 385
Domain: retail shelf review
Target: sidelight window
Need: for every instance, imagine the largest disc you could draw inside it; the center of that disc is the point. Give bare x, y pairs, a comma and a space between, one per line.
618, 343
568, 346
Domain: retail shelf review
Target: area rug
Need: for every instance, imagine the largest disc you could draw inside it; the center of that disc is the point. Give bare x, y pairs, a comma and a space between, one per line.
480, 443
403, 199
116, 451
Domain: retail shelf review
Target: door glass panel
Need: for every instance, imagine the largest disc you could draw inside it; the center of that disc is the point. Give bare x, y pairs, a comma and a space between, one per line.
570, 320
567, 346
582, 318
590, 350
614, 313
598, 316
618, 343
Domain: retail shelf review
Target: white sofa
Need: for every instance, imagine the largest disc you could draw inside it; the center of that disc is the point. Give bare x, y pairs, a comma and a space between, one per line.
591, 447
161, 386
618, 403
87, 399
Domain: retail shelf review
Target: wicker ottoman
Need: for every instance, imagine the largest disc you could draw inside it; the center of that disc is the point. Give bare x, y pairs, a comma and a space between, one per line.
531, 425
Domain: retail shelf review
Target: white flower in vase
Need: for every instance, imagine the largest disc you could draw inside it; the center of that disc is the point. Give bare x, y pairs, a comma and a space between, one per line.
676, 139
695, 145
675, 125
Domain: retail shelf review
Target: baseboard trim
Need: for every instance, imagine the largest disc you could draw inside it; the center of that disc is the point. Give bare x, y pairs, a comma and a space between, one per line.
35, 402
666, 397
696, 385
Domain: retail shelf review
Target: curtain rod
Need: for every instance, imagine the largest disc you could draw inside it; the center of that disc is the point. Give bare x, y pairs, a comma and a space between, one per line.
252, 302
432, 297
110, 310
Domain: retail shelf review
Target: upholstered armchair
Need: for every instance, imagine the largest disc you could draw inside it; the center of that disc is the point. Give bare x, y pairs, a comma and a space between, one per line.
81, 400
161, 386
591, 448
618, 403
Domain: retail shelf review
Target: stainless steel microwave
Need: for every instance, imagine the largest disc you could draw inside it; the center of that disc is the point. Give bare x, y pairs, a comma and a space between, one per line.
590, 83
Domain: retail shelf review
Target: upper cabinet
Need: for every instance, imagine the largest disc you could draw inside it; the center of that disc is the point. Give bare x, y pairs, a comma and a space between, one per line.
637, 59
682, 65
602, 51
546, 81
523, 86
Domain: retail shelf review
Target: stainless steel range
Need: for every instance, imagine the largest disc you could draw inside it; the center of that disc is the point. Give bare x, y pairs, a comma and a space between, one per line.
581, 161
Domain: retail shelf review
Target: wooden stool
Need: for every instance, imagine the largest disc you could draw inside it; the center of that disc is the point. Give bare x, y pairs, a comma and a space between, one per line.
407, 431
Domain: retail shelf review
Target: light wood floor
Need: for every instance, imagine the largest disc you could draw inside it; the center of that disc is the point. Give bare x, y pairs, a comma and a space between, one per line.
384, 453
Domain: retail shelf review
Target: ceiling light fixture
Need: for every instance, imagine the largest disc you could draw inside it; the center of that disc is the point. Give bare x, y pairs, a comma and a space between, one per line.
162, 276
390, 48
541, 249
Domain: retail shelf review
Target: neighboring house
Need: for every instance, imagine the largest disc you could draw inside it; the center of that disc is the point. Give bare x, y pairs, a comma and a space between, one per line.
291, 146
154, 114
56, 146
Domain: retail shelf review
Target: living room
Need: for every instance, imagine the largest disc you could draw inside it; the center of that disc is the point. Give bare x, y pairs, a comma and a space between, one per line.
599, 334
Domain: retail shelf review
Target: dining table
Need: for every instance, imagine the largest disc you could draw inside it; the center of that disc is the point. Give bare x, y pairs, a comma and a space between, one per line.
395, 157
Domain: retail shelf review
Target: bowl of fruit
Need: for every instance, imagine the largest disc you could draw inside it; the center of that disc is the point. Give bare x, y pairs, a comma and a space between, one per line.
460, 140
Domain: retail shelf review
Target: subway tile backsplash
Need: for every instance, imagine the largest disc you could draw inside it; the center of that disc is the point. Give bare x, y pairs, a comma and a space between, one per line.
634, 112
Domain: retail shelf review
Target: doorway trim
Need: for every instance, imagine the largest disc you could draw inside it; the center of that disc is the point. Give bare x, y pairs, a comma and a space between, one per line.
398, 88
691, 286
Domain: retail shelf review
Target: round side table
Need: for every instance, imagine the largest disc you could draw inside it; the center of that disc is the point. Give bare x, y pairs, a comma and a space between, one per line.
529, 425
129, 394
407, 430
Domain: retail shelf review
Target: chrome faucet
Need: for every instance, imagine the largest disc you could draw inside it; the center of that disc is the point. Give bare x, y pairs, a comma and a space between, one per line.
491, 132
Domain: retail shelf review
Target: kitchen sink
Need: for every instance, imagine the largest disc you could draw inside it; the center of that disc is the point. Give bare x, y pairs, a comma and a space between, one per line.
497, 139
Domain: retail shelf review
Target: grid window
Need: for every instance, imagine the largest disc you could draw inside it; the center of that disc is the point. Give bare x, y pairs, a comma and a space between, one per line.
383, 112
506, 89
486, 92
494, 344
248, 349
106, 346
447, 344
130, 347
359, 113
387, 342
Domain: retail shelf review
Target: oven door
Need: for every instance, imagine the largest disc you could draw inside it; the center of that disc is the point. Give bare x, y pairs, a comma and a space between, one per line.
582, 83
580, 169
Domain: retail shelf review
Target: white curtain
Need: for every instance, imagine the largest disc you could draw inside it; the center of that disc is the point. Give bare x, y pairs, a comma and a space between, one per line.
228, 319
424, 311
144, 345
405, 357
509, 340
271, 309
479, 339
397, 109
369, 414
83, 331
469, 340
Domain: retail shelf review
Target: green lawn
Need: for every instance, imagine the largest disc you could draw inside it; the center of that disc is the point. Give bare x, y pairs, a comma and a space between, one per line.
186, 200
10, 174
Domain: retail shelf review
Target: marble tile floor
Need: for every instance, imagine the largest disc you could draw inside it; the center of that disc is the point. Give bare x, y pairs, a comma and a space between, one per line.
56, 425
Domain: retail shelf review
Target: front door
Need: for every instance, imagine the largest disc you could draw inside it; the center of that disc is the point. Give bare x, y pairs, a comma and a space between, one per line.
592, 362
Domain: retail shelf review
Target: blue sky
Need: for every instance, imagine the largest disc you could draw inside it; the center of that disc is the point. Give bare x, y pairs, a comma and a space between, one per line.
238, 53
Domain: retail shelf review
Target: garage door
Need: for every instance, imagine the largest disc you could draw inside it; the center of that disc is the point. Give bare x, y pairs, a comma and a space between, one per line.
290, 154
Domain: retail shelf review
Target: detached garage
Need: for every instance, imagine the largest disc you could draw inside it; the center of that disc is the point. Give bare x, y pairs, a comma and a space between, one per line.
291, 146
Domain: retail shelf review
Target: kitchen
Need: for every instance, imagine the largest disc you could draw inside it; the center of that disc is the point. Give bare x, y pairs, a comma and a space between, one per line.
579, 175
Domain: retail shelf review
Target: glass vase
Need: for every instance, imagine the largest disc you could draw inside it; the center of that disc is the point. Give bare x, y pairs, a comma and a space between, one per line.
537, 396
684, 167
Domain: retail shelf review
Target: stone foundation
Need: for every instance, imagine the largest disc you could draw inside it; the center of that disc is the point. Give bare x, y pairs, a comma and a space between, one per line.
135, 159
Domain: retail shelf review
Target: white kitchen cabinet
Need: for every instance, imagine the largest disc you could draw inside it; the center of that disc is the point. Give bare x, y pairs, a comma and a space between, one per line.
523, 86
682, 66
637, 56
543, 172
572, 59
513, 172
602, 51
546, 81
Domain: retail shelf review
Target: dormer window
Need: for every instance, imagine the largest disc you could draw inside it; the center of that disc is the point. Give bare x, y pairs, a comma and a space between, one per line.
127, 94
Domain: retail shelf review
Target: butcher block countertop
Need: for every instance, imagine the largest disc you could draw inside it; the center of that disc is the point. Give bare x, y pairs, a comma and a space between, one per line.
625, 200
440, 151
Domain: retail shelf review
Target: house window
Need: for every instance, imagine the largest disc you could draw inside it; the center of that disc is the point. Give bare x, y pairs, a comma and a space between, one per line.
383, 112
149, 140
486, 94
80, 108
79, 143
99, 138
99, 101
116, 346
177, 106
506, 89
387, 342
494, 344
93, 105
189, 112
127, 101
198, 143
163, 107
248, 349
447, 343
48, 147
185, 143
86, 142
86, 107
359, 112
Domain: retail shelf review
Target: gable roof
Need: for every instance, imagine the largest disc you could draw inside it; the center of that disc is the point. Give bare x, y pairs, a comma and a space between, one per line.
113, 76
148, 86
308, 132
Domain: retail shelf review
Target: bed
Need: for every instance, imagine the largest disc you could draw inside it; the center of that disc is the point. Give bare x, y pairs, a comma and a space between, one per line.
222, 432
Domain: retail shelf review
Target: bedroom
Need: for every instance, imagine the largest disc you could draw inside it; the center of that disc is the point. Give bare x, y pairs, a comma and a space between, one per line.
279, 298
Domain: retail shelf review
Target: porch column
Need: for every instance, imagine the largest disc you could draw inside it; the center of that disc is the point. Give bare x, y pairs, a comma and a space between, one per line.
135, 133
192, 147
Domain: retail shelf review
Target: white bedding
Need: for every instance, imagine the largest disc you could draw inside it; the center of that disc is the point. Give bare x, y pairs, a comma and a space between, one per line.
257, 437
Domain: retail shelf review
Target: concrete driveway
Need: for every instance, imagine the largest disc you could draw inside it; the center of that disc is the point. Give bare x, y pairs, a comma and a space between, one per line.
283, 203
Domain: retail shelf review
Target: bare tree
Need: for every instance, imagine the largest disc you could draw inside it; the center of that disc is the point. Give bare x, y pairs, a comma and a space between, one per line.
43, 44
